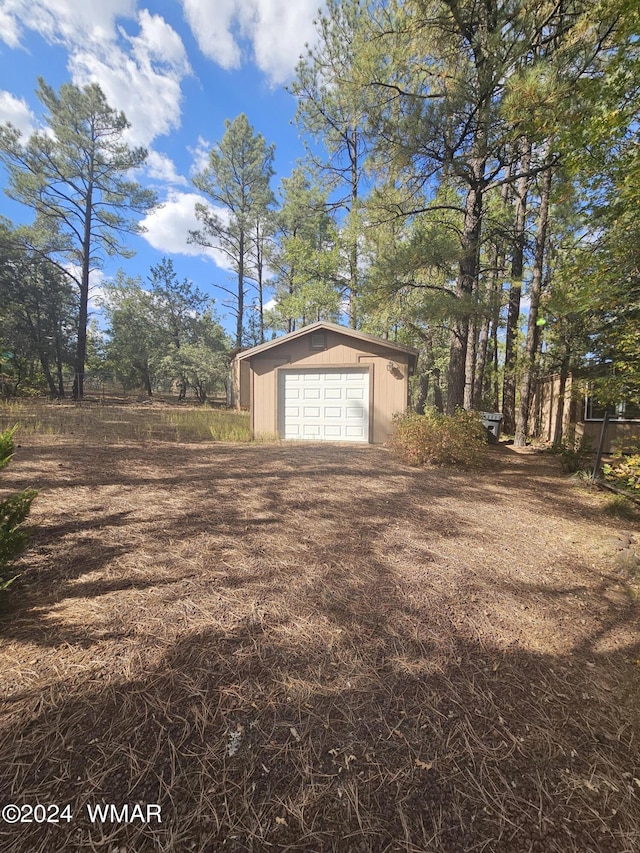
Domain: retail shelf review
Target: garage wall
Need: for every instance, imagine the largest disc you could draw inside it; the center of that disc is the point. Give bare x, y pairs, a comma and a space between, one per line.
388, 389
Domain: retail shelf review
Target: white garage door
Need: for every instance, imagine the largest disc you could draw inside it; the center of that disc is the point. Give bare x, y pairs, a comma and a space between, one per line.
324, 405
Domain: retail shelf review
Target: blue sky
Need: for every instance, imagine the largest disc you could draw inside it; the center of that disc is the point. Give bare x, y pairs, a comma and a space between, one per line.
178, 70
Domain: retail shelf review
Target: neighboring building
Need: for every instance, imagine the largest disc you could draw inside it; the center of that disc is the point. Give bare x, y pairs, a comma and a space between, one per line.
562, 410
324, 383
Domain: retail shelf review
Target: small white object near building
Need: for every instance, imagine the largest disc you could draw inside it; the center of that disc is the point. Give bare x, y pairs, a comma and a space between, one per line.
325, 382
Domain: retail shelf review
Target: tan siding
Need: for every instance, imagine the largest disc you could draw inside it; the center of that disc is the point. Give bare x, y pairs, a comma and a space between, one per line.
618, 437
265, 373
388, 392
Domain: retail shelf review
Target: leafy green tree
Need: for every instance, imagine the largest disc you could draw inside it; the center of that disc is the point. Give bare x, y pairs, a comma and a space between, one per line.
75, 176
603, 269
237, 180
13, 512
167, 332
38, 312
443, 71
134, 338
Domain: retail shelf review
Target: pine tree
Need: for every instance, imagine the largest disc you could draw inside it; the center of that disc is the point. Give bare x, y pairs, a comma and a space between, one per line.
75, 177
237, 180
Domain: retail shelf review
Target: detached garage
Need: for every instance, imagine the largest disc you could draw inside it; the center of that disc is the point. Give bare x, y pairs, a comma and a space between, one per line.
325, 383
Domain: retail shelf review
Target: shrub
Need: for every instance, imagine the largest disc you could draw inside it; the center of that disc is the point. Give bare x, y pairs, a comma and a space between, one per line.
574, 455
13, 511
437, 439
624, 472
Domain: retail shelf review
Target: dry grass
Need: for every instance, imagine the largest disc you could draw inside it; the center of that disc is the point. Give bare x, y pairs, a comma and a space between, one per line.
315, 648
109, 421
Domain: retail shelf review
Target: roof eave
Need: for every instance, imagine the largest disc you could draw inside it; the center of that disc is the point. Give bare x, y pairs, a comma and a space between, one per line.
333, 327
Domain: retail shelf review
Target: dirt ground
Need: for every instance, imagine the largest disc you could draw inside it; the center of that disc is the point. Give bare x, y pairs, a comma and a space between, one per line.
317, 648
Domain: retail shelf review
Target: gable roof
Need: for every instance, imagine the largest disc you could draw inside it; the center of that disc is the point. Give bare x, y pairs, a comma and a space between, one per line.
412, 352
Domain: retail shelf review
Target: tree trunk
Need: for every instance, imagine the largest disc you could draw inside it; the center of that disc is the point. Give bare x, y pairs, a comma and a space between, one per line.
423, 390
558, 430
240, 318
83, 315
536, 289
59, 368
470, 360
44, 362
513, 314
467, 276
492, 311
437, 390
260, 282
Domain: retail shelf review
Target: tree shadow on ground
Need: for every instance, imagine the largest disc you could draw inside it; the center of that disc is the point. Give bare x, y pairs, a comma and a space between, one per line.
340, 719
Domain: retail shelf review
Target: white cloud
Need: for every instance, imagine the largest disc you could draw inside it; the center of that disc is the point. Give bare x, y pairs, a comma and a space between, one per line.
9, 28
155, 66
212, 29
162, 168
66, 21
159, 42
140, 74
200, 155
16, 111
168, 227
277, 30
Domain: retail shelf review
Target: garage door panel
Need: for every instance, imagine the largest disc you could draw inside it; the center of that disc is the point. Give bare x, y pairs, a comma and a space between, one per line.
356, 432
342, 413
332, 393
354, 393
352, 413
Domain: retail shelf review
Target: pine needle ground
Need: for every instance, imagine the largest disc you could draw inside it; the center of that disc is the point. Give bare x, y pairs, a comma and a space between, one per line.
317, 648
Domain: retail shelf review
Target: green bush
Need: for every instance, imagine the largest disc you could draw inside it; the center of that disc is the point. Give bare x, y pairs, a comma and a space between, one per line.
574, 455
624, 472
437, 439
13, 511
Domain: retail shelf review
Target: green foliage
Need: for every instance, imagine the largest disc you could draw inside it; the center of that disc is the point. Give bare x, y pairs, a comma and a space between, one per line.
6, 446
13, 511
439, 439
38, 318
624, 472
76, 178
167, 332
306, 258
575, 454
237, 180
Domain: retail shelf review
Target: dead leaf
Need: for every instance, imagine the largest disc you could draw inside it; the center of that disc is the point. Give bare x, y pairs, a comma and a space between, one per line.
281, 821
424, 765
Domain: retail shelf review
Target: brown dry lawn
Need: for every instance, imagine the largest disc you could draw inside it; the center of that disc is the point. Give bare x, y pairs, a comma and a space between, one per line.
317, 648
